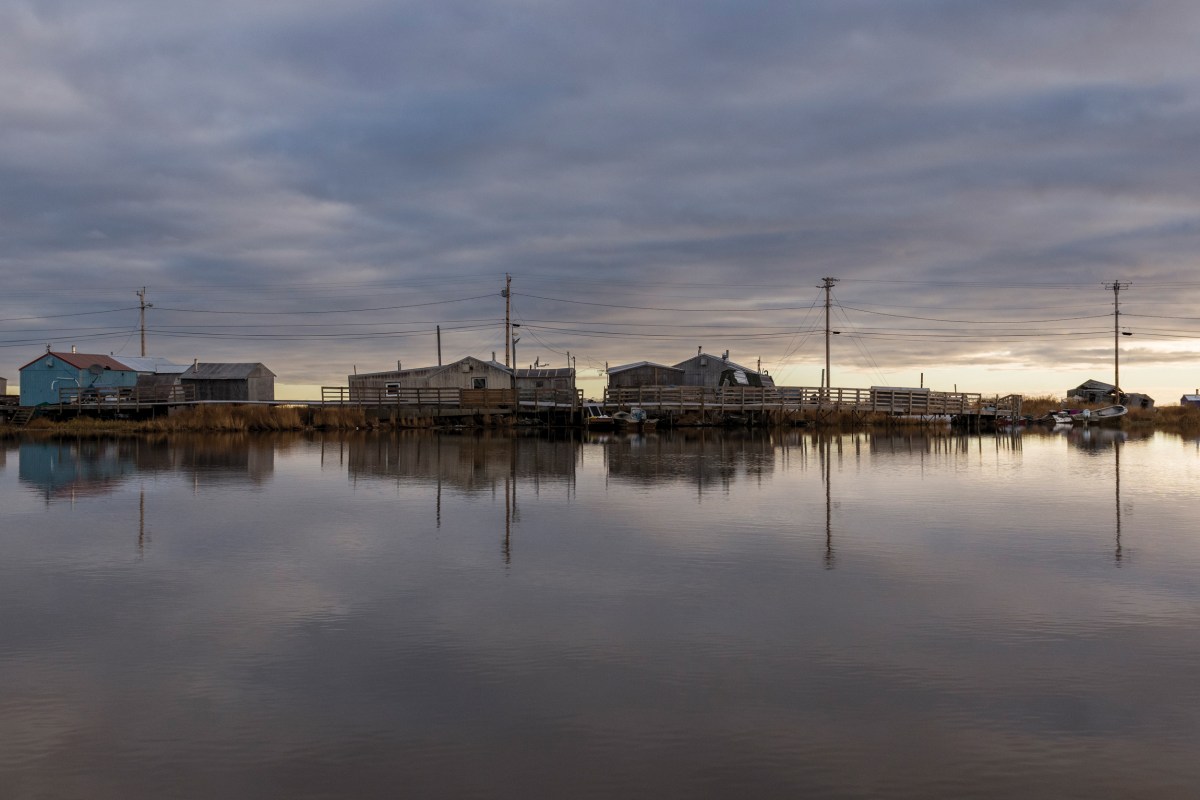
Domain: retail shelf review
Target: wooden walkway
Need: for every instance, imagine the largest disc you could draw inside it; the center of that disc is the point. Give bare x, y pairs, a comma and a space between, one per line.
795, 398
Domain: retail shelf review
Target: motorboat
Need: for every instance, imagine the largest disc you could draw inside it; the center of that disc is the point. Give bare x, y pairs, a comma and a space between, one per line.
595, 418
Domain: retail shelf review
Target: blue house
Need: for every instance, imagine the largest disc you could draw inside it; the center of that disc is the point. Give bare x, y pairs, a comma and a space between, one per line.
42, 378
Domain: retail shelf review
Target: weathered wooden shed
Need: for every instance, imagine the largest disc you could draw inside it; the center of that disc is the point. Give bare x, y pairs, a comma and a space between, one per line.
1136, 400
544, 378
703, 369
1190, 400
1093, 391
3, 386
643, 373
233, 382
42, 378
466, 373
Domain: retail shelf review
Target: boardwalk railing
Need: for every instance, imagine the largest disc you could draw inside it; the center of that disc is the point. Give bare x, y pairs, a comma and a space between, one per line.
379, 396
119, 398
749, 398
376, 397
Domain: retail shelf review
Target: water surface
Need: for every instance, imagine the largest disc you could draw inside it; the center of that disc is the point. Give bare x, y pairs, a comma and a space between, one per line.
687, 614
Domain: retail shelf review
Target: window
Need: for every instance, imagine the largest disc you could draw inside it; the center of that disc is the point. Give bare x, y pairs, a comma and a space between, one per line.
478, 383
391, 390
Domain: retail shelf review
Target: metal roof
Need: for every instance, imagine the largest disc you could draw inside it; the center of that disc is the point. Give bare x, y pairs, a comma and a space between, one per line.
637, 364
83, 360
153, 364
559, 372
725, 361
226, 372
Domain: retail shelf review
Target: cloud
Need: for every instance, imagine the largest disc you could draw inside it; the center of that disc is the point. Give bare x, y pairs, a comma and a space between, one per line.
708, 156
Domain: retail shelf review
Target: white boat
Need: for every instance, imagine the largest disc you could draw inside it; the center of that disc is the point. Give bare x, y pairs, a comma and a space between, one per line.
1088, 415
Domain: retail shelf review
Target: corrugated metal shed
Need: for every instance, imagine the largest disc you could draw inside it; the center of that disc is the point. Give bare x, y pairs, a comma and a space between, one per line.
226, 372
152, 365
466, 373
704, 369
231, 381
643, 373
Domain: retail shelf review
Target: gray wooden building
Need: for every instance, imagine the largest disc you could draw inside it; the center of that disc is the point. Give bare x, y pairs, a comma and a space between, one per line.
712, 371
3, 386
644, 373
1094, 391
545, 378
242, 382
466, 373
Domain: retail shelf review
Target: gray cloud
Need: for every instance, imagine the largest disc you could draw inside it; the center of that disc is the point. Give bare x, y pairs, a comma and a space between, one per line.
300, 157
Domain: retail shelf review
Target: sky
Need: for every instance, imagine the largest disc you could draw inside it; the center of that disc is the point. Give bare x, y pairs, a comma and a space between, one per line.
318, 186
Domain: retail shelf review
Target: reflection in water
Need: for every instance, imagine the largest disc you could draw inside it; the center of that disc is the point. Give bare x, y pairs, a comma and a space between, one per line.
81, 467
793, 614
1117, 493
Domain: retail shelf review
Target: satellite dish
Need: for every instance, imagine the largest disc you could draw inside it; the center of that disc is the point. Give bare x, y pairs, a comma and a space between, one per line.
96, 369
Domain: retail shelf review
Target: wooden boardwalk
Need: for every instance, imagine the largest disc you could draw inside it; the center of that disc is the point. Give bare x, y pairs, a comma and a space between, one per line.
762, 404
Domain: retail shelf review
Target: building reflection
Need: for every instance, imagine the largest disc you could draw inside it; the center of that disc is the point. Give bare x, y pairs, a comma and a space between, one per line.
708, 458
471, 462
87, 467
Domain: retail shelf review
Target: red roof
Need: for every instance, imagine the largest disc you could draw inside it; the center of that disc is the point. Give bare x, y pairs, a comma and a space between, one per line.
83, 360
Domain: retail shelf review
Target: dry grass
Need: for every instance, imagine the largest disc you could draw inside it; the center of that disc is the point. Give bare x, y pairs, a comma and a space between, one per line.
1175, 419
339, 418
227, 418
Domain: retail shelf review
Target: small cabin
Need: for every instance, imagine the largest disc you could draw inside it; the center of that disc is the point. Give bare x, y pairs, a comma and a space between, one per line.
1190, 400
466, 373
711, 371
1101, 392
545, 378
644, 373
1093, 392
233, 382
156, 377
1137, 400
44, 378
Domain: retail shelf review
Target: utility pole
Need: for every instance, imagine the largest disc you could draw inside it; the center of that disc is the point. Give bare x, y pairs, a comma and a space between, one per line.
439, 342
827, 285
507, 294
142, 306
1116, 287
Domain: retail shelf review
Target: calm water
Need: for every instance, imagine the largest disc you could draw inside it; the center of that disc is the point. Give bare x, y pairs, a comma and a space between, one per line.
689, 614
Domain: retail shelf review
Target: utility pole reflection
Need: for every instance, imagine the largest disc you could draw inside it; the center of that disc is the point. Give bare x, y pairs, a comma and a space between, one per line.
826, 453
1117, 484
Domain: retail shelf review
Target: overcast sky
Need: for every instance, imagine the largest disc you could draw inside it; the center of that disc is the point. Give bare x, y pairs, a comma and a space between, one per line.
318, 185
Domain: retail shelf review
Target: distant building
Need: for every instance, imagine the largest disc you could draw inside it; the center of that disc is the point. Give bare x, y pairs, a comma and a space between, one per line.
1093, 392
238, 382
1190, 400
154, 374
1100, 392
1137, 400
46, 375
466, 373
703, 369
644, 373
3, 385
